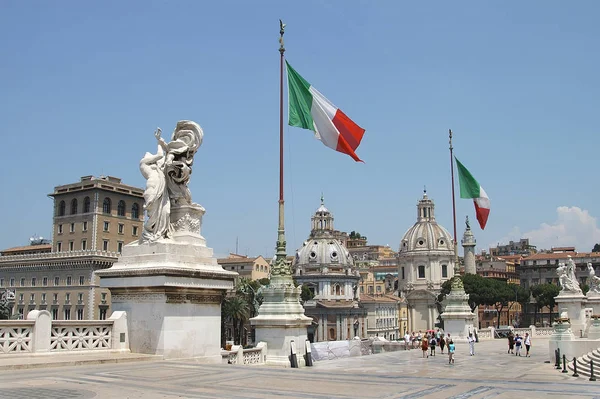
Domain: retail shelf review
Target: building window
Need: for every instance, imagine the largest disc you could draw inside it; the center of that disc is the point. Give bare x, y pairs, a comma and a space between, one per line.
120, 247
121, 228
59, 246
12, 282
71, 245
20, 312
444, 271
56, 281
45, 281
72, 228
22, 282
79, 314
68, 297
74, 206
106, 226
21, 296
1, 282
121, 208
134, 230
84, 228
55, 314
32, 298
80, 297
103, 297
33, 281
81, 280
60, 229
43, 297
55, 297
421, 271
86, 204
106, 205
102, 314
83, 245
61, 208
105, 245
67, 314
69, 280
402, 270
135, 211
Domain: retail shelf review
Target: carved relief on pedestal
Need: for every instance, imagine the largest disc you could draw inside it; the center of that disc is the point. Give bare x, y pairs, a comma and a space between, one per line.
187, 223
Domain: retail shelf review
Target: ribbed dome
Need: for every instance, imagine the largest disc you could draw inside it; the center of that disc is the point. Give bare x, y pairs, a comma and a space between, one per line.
426, 234
322, 251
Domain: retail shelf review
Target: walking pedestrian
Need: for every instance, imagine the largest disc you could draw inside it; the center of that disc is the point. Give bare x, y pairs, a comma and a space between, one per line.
518, 341
450, 352
527, 344
442, 343
471, 341
424, 347
432, 343
511, 342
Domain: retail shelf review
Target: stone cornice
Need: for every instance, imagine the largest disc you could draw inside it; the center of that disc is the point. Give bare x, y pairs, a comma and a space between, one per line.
167, 271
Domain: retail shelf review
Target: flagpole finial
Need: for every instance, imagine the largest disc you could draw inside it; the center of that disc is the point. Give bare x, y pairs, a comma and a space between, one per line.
450, 136
281, 32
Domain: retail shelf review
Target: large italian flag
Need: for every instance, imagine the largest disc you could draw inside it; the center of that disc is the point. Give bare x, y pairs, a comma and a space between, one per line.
309, 109
470, 188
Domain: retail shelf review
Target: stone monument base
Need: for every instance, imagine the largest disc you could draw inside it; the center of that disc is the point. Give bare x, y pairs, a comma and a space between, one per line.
172, 291
593, 301
280, 321
458, 317
575, 307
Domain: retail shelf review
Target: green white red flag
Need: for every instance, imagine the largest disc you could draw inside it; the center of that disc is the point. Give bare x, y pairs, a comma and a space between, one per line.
470, 188
309, 109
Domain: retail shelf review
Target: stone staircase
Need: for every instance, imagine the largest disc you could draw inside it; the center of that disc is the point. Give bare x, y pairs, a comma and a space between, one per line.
583, 364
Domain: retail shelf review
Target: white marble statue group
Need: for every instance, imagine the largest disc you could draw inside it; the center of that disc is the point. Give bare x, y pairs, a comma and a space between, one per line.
568, 281
167, 176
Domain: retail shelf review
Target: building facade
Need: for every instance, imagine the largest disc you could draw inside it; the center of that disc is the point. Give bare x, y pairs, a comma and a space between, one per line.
253, 268
425, 262
326, 268
97, 214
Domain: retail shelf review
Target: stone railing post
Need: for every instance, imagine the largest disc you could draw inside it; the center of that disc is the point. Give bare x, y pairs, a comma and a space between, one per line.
532, 328
42, 329
493, 332
263, 351
120, 335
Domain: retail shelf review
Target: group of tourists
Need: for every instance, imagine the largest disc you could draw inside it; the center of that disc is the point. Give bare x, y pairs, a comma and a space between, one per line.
515, 342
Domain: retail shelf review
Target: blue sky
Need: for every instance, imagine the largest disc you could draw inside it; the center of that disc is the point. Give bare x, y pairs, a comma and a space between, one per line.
84, 85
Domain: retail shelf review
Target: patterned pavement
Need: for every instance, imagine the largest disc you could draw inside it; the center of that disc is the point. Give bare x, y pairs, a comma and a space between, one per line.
491, 373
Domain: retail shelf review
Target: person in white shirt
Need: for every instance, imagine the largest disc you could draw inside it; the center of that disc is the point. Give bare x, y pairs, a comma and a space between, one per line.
527, 344
471, 341
407, 340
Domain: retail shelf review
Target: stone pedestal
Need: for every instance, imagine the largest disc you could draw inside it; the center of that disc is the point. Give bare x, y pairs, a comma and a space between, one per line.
457, 316
281, 320
172, 291
562, 338
575, 306
593, 301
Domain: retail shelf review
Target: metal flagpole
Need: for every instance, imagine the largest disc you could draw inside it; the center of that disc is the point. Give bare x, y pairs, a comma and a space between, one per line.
456, 264
281, 268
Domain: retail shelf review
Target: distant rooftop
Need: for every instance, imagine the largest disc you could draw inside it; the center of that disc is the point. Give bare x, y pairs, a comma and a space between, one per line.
108, 183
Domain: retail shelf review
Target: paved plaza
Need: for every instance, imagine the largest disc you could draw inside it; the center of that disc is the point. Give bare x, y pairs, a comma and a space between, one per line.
491, 373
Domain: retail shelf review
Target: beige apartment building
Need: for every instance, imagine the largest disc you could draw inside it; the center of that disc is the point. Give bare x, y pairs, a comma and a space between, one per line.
93, 219
252, 268
96, 213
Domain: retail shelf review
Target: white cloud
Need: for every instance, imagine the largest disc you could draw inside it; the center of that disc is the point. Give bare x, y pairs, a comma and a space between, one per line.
573, 227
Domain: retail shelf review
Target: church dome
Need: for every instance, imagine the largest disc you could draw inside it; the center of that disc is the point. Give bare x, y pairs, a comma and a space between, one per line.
426, 235
323, 252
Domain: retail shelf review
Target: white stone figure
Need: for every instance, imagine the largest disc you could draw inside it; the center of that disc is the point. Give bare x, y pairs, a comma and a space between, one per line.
571, 268
156, 198
567, 282
594, 280
185, 141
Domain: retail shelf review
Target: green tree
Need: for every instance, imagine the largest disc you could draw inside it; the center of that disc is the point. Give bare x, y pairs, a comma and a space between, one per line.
307, 294
236, 310
544, 295
596, 248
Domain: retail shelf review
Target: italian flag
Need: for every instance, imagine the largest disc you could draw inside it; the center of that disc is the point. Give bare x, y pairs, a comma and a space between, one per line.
470, 188
309, 109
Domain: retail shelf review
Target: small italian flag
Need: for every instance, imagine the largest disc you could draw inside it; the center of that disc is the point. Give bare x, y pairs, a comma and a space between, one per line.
470, 188
309, 109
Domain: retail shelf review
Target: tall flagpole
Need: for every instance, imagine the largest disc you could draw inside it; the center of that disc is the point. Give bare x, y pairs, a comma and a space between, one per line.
281, 269
456, 265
